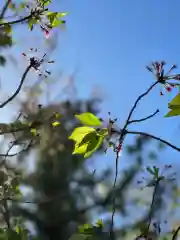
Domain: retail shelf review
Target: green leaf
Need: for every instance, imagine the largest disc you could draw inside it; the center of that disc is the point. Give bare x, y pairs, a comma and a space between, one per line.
56, 23
175, 103
80, 149
79, 133
173, 113
61, 14
46, 2
88, 119
103, 132
99, 223
150, 170
7, 28
17, 229
5, 40
88, 144
94, 144
55, 18
55, 124
82, 146
31, 22
85, 227
33, 131
57, 115
51, 16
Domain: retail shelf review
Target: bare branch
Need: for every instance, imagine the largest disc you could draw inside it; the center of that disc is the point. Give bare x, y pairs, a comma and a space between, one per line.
112, 235
4, 9
152, 204
18, 89
21, 20
154, 137
16, 21
5, 155
137, 101
144, 119
174, 237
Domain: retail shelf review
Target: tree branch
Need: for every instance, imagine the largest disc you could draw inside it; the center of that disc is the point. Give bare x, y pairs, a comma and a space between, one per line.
112, 235
154, 137
144, 119
174, 237
23, 19
16, 21
4, 9
136, 103
152, 204
18, 89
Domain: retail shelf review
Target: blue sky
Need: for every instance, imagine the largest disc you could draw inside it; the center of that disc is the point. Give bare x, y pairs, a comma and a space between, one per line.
111, 42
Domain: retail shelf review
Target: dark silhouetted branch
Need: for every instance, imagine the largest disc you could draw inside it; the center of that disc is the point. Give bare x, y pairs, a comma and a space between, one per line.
154, 137
174, 237
144, 119
18, 89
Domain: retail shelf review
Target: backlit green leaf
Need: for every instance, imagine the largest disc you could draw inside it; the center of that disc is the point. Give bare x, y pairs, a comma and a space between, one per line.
80, 149
56, 22
62, 14
55, 124
103, 132
99, 223
82, 146
93, 145
33, 131
172, 113
46, 2
175, 103
88, 119
79, 133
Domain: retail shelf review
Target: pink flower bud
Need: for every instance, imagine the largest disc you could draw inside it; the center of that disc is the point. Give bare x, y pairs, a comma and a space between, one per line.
168, 89
47, 34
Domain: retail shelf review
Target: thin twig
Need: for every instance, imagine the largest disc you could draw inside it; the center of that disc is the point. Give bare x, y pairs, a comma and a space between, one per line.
137, 101
18, 89
4, 9
121, 138
16, 21
145, 118
154, 137
122, 134
21, 20
174, 237
112, 237
6, 155
152, 204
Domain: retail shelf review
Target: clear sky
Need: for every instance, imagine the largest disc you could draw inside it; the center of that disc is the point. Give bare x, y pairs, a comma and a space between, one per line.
111, 42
